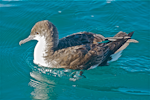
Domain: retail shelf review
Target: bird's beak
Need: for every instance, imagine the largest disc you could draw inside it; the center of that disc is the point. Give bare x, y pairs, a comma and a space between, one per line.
31, 37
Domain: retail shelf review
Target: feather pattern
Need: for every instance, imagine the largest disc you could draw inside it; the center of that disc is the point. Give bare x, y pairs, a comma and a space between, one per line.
77, 51
80, 38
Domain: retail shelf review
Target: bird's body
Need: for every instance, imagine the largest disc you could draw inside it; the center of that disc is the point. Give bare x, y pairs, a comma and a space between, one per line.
81, 50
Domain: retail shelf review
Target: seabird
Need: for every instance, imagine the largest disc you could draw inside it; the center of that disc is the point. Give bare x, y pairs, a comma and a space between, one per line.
83, 50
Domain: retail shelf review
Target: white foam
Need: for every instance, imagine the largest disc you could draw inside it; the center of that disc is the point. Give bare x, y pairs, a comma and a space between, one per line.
72, 79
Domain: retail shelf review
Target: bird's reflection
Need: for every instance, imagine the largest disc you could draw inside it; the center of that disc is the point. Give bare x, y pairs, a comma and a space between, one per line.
43, 88
44, 81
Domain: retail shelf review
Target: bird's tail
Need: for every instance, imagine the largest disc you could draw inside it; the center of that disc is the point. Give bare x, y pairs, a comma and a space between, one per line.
118, 43
122, 41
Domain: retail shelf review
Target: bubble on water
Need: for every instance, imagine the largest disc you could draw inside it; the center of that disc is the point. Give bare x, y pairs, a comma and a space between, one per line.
92, 15
59, 11
108, 1
74, 85
117, 26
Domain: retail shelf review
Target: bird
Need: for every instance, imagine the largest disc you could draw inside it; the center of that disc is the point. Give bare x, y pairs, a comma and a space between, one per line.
78, 51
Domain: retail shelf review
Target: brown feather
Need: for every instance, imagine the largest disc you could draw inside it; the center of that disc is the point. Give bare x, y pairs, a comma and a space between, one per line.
73, 53
77, 51
80, 38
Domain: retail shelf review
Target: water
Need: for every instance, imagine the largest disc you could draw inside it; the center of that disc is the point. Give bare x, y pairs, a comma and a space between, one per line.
128, 78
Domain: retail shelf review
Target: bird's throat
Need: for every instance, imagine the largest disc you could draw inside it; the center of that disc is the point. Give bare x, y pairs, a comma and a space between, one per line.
44, 50
40, 52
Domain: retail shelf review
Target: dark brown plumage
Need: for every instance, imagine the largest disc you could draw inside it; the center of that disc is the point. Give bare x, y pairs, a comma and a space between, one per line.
77, 51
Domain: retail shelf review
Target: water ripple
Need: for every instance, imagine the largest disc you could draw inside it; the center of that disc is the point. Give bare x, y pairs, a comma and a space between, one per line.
134, 91
138, 64
126, 78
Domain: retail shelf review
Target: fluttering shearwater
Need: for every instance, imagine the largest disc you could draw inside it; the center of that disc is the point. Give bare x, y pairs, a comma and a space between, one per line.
82, 50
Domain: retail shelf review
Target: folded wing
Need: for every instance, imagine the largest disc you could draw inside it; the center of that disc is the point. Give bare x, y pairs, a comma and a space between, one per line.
81, 38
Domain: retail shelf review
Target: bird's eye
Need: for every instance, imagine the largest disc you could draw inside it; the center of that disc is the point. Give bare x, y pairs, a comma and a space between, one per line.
37, 33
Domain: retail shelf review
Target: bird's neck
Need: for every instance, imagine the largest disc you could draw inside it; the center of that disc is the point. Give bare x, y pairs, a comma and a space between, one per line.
44, 50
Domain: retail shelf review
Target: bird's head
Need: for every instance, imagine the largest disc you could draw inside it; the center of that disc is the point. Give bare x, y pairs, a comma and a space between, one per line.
42, 29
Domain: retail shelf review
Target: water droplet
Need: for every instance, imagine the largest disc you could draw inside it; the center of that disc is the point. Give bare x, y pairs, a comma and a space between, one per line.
74, 85
108, 1
92, 15
59, 11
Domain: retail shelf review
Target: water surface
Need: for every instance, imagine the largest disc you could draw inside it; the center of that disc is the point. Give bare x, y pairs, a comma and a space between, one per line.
128, 78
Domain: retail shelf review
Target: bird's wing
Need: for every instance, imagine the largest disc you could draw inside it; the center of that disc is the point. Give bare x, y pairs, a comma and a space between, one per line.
77, 56
80, 57
81, 38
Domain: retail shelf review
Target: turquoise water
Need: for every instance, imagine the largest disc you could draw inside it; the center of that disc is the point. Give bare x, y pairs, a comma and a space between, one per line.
128, 78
